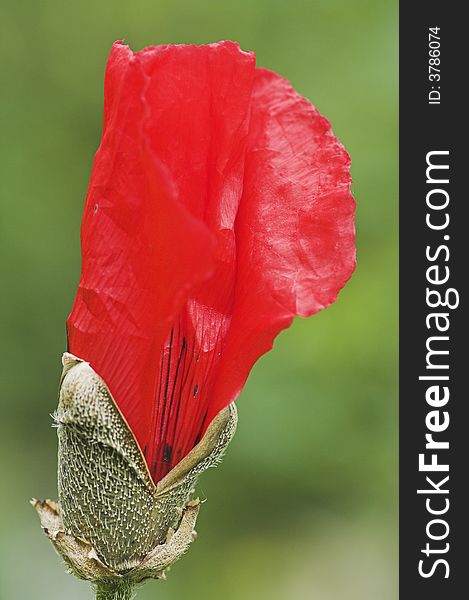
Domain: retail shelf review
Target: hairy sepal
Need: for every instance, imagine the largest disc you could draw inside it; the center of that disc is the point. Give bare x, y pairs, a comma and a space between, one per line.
112, 522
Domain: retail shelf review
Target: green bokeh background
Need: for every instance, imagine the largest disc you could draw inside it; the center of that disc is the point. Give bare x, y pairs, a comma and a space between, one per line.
304, 505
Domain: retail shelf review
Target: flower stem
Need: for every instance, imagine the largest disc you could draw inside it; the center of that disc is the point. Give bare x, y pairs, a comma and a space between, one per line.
114, 591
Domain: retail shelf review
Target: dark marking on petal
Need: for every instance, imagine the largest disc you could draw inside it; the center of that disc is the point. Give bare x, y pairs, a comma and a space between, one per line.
167, 454
167, 381
181, 356
168, 371
177, 379
196, 389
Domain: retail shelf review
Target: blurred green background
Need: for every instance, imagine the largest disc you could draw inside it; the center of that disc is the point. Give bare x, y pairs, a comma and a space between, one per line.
304, 505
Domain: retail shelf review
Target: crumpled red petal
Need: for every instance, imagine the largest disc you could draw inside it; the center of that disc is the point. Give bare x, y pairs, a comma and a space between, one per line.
295, 228
138, 258
218, 209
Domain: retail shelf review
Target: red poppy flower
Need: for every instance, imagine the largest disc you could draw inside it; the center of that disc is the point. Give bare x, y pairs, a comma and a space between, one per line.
219, 208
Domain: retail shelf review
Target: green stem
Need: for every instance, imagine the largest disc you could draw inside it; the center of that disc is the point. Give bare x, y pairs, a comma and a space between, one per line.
114, 591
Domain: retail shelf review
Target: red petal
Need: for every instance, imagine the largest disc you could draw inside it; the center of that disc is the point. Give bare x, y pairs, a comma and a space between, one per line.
170, 117
199, 107
294, 231
138, 259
